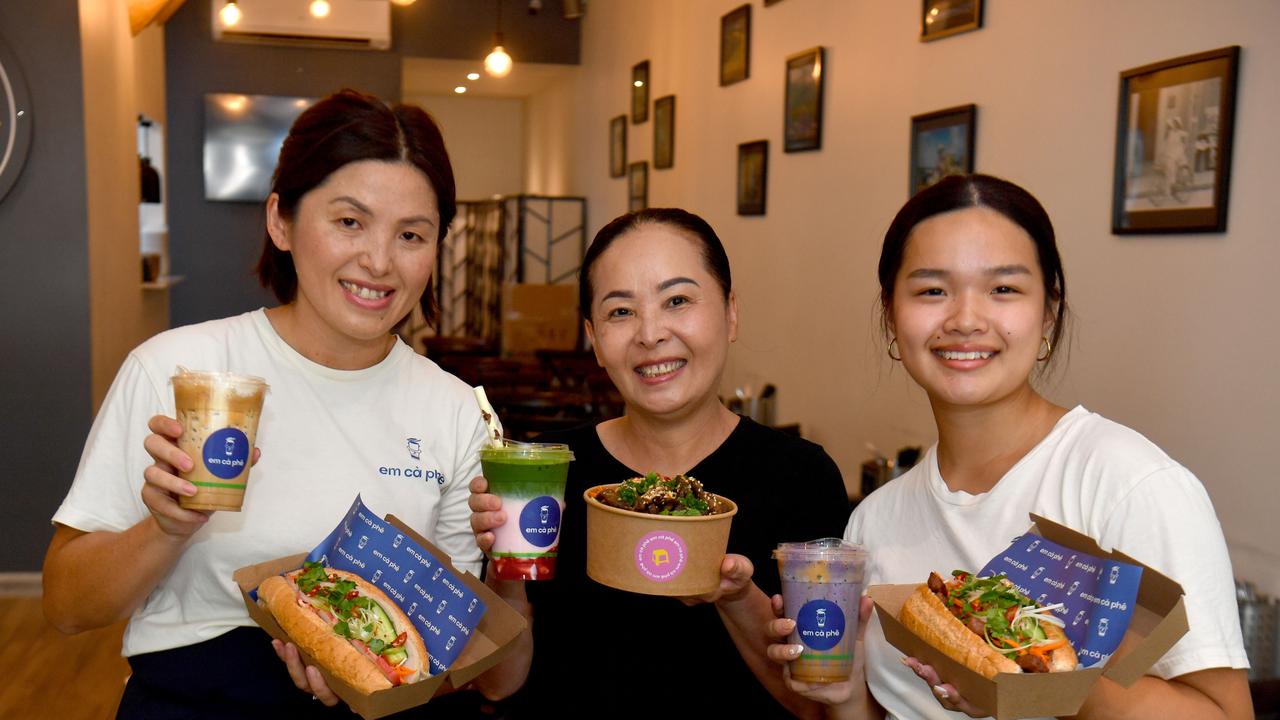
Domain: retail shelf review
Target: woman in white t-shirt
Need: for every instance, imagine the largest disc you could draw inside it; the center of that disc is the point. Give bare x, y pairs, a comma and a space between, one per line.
361, 197
974, 299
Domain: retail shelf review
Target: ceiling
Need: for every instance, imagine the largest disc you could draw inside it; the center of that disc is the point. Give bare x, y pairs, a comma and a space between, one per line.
430, 76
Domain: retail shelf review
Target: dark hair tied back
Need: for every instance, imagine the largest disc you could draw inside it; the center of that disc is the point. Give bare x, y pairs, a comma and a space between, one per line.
694, 227
964, 191
345, 127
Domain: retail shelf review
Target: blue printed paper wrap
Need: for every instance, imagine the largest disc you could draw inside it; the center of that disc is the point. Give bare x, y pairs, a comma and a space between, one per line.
1098, 595
443, 609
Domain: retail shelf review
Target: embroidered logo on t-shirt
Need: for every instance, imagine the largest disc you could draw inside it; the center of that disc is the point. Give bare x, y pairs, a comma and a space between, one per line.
413, 472
414, 446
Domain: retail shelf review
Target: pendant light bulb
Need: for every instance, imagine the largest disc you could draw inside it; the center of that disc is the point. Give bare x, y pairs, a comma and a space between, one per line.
320, 8
230, 14
498, 62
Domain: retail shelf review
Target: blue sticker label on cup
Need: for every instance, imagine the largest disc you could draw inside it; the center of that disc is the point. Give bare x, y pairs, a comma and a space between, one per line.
820, 624
226, 452
540, 521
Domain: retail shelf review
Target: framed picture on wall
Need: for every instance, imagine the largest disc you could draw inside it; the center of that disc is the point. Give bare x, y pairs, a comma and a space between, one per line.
802, 123
638, 186
618, 146
735, 46
640, 92
941, 18
941, 145
753, 173
664, 132
1173, 144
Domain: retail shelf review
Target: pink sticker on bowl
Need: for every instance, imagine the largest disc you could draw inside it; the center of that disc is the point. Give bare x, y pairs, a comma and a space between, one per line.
661, 555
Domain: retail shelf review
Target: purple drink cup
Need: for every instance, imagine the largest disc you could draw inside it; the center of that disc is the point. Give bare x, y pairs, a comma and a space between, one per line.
821, 591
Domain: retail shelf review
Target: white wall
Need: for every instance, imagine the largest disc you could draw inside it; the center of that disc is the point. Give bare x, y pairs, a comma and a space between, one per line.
553, 136
486, 142
1176, 336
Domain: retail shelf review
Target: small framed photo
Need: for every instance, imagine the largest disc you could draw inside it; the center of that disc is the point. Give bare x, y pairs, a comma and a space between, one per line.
618, 146
941, 18
753, 172
638, 186
664, 132
640, 92
735, 46
1173, 144
941, 145
802, 125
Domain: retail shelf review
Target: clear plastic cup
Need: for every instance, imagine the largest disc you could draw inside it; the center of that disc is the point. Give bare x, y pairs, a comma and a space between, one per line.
530, 478
219, 413
821, 591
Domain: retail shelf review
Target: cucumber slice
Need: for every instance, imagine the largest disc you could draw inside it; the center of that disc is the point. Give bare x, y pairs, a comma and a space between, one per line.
383, 628
395, 655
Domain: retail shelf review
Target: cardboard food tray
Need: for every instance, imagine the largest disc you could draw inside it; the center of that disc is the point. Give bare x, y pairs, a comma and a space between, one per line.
1158, 621
494, 637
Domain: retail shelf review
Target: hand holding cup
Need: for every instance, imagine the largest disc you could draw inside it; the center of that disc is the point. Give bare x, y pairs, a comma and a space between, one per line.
163, 487
486, 513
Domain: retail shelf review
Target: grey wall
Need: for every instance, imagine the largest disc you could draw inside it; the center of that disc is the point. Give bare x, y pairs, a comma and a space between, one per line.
216, 244
45, 401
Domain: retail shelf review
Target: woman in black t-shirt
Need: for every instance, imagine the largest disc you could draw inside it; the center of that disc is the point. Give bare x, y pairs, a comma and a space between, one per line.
658, 305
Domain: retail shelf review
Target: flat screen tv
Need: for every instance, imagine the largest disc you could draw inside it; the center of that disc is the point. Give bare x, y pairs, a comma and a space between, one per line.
242, 139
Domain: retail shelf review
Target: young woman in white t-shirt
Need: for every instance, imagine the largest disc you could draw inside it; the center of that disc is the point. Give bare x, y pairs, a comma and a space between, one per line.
974, 300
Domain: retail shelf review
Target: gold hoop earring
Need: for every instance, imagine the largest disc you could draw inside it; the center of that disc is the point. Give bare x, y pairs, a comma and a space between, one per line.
889, 350
1048, 349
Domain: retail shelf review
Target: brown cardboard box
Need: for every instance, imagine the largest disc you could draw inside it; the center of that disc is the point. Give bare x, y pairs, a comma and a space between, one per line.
539, 317
1158, 621
494, 637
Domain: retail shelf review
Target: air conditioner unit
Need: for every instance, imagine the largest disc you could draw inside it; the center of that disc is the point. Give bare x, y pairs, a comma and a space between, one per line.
355, 24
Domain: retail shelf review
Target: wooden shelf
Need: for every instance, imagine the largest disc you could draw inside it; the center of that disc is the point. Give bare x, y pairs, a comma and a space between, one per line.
164, 283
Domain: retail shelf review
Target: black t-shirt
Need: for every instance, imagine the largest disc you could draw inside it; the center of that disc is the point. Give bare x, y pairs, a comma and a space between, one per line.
615, 653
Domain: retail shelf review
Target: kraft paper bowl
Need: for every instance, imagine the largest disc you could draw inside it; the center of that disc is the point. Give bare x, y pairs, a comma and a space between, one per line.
655, 554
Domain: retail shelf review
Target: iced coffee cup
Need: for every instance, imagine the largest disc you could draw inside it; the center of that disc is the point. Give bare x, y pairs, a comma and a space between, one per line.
219, 414
529, 477
821, 591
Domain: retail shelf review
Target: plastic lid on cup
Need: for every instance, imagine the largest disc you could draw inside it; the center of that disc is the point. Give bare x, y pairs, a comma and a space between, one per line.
528, 451
824, 549
243, 384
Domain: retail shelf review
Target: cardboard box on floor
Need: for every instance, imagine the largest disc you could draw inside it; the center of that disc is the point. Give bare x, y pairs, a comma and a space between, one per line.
1158, 621
494, 637
539, 317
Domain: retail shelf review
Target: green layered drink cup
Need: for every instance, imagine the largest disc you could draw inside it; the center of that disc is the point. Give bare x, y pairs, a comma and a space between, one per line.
530, 480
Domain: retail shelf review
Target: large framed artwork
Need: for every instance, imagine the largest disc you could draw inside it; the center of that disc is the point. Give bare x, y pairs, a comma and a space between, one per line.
802, 123
753, 167
638, 186
640, 92
735, 46
618, 146
942, 18
1174, 129
664, 132
941, 145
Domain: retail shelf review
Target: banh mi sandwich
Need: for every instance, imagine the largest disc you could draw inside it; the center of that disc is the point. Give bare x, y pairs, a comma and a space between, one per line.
988, 626
347, 625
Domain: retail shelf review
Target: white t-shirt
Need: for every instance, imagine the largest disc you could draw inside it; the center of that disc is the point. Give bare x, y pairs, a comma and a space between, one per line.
1089, 474
404, 434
